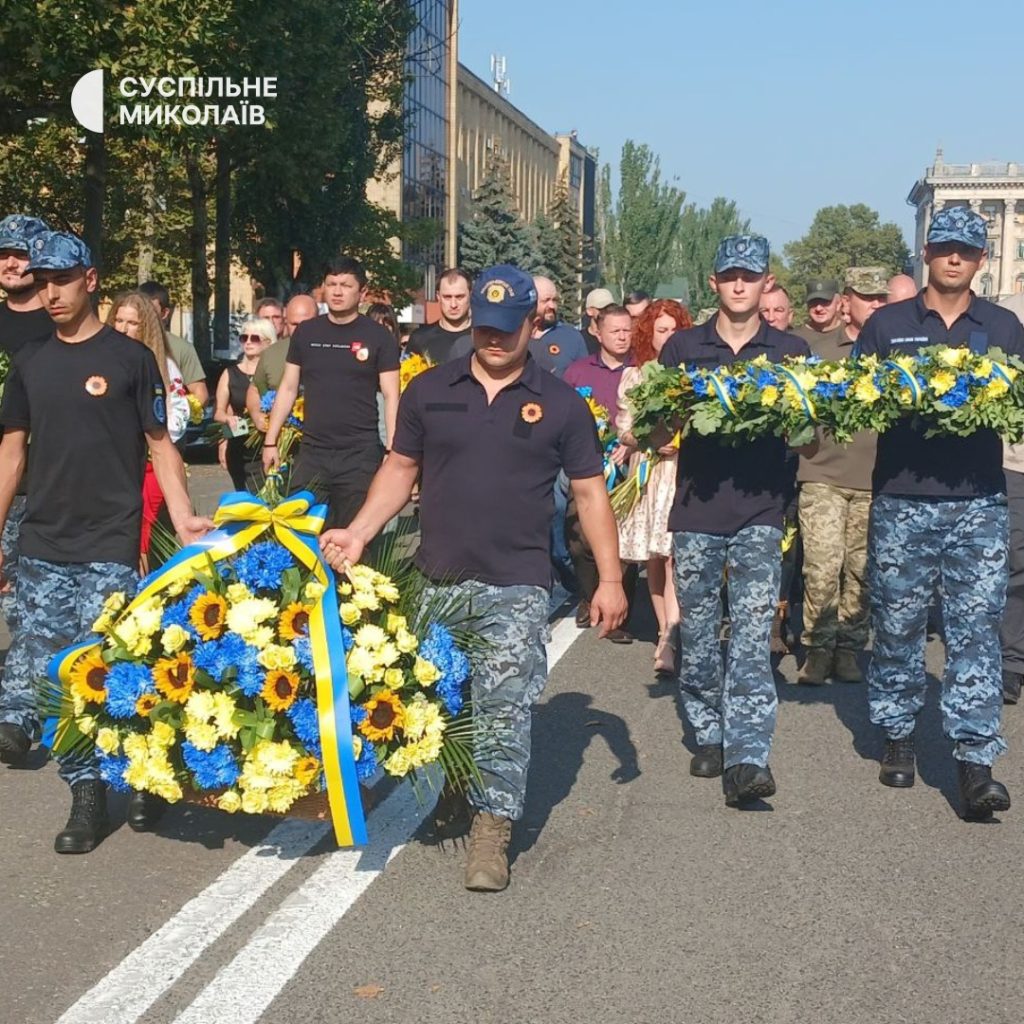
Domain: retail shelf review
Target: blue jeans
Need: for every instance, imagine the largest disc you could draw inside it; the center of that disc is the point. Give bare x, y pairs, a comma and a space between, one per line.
560, 559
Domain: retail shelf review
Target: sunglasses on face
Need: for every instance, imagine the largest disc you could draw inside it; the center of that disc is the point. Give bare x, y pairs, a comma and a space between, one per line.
250, 337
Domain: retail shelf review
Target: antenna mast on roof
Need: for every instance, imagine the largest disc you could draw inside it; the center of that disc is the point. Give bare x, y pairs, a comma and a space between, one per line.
500, 81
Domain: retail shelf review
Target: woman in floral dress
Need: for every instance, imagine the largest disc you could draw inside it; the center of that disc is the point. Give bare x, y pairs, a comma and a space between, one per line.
643, 534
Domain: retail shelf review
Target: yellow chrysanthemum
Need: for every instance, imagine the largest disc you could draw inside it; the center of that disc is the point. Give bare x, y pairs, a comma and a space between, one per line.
175, 677
108, 741
294, 621
955, 357
370, 637
238, 592
349, 613
245, 617
77, 704
200, 706
280, 688
307, 769
384, 714
89, 677
277, 656
178, 586
366, 600
275, 758
426, 672
148, 616
769, 395
200, 734
284, 794
398, 762
163, 735
173, 639
388, 654
345, 588
224, 709
230, 801
942, 381
864, 390
360, 663
387, 591
86, 724
405, 641
145, 704
108, 614
209, 615
396, 623
838, 375
996, 388
313, 590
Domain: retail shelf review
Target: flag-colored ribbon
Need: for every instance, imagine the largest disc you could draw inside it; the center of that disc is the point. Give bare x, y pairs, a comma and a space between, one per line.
801, 393
296, 522
908, 378
722, 393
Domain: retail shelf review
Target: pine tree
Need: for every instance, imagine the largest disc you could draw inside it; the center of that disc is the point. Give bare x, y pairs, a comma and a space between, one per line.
496, 234
566, 265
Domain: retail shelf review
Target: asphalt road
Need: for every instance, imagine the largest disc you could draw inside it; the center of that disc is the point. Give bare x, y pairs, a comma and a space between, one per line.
637, 896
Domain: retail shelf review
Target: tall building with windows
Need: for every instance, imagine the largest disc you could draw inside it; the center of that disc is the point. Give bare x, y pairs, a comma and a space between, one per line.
994, 190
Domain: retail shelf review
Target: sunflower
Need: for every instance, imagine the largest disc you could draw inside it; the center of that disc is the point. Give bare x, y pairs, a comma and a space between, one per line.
294, 621
146, 703
307, 769
384, 714
531, 412
89, 677
280, 688
175, 677
208, 615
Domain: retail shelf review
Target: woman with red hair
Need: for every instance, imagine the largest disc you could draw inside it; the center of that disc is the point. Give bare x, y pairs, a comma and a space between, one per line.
644, 535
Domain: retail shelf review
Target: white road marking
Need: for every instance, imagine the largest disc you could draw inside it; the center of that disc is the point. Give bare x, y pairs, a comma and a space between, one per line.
245, 987
129, 990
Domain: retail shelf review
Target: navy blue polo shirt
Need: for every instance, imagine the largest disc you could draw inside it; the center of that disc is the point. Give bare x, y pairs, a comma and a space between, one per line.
908, 464
721, 488
486, 500
557, 348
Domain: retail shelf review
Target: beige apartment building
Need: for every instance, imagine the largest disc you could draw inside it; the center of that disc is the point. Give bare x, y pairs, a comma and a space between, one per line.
996, 191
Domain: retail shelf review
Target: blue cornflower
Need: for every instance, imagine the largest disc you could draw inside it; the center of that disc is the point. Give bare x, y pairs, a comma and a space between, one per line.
211, 769
766, 379
262, 565
586, 392
112, 771
700, 386
303, 717
304, 652
356, 714
177, 615
439, 648
366, 765
267, 401
251, 673
958, 394
126, 683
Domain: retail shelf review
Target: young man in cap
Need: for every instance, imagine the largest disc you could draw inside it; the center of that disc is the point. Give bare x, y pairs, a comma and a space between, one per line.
554, 344
728, 514
22, 320
834, 503
341, 360
824, 308
939, 517
490, 432
93, 401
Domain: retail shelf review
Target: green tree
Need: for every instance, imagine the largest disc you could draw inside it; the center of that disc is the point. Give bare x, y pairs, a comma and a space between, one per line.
496, 233
637, 228
846, 236
559, 242
700, 231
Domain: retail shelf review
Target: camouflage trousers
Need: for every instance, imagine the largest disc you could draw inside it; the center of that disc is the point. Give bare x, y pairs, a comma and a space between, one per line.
834, 528
959, 545
507, 678
57, 603
9, 545
739, 709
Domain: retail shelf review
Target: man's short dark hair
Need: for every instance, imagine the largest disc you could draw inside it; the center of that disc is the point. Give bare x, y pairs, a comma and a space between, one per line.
267, 300
778, 288
612, 310
155, 290
452, 272
346, 265
635, 298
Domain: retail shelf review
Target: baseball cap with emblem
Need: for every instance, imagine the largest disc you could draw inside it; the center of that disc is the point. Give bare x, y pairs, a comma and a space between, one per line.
822, 289
958, 224
17, 230
598, 298
502, 298
742, 252
866, 281
57, 250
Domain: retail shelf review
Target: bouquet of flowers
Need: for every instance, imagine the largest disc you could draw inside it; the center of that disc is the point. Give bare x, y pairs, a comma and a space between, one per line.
605, 434
291, 431
243, 674
949, 391
411, 366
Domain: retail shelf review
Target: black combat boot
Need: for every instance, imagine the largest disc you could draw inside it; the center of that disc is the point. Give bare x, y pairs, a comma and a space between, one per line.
88, 822
897, 764
980, 795
145, 810
707, 762
14, 743
747, 783
1011, 687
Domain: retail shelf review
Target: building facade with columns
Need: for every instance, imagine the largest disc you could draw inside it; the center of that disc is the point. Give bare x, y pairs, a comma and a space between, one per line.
996, 191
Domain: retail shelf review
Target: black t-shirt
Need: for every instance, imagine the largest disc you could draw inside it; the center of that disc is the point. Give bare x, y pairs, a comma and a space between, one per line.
341, 365
88, 407
18, 329
721, 488
487, 495
907, 463
437, 344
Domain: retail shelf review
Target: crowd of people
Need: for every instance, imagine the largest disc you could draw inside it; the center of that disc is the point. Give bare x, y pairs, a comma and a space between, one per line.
500, 442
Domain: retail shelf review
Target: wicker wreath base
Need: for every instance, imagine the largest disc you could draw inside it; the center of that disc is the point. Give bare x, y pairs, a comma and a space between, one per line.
314, 807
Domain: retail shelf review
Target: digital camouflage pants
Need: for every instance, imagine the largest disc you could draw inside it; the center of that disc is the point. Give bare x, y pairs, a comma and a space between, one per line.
57, 603
834, 528
9, 544
738, 709
507, 678
959, 545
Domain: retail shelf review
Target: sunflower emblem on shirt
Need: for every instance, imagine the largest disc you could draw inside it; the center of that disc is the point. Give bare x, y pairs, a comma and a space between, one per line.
531, 412
96, 385
554, 349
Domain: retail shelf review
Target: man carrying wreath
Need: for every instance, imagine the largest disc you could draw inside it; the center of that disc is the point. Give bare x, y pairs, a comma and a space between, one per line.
491, 431
938, 517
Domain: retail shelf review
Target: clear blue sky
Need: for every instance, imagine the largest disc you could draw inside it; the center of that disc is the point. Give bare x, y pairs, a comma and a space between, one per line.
785, 107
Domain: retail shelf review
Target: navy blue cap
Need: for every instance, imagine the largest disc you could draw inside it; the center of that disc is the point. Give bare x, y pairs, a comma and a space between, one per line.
746, 252
502, 298
57, 250
959, 224
17, 230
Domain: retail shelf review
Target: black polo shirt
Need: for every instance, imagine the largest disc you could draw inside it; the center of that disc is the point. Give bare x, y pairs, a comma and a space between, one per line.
907, 463
721, 488
341, 366
486, 499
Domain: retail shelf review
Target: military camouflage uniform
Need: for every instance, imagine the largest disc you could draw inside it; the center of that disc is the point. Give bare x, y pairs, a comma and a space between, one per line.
960, 545
741, 714
9, 544
834, 528
57, 603
508, 677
